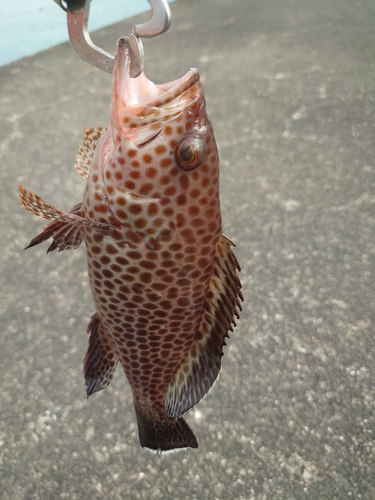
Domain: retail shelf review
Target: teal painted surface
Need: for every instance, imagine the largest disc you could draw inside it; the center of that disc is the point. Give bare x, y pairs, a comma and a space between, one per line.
29, 26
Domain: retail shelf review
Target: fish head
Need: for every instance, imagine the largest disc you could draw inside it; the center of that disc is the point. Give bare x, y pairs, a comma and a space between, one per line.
162, 168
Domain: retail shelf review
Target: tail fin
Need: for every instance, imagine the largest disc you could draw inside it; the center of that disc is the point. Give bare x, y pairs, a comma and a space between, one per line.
164, 434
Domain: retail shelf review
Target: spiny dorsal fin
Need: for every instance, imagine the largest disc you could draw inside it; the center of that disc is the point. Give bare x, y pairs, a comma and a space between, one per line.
197, 375
87, 149
100, 360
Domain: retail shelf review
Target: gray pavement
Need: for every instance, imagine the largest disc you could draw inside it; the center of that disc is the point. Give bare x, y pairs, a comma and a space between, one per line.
290, 90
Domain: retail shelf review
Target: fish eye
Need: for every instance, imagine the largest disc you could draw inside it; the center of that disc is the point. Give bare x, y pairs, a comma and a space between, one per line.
189, 153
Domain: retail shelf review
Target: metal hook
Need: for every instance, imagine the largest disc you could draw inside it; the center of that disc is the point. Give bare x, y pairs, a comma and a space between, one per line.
159, 22
78, 16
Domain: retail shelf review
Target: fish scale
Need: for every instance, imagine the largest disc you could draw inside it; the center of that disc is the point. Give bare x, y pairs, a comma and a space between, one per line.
162, 274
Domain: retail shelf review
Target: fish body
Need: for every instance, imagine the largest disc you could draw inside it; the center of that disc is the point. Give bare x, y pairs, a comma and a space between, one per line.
163, 276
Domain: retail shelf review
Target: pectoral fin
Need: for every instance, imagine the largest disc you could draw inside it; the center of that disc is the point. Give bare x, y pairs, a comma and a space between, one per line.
67, 228
200, 370
65, 236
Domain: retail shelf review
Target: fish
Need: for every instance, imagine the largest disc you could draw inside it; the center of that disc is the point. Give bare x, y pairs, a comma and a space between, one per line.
163, 275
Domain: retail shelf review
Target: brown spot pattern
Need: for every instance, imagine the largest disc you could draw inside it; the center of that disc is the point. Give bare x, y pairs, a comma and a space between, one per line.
150, 279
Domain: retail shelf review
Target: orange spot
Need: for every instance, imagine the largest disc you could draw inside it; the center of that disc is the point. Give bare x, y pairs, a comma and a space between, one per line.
151, 172
180, 129
147, 158
121, 201
135, 209
170, 191
121, 160
168, 130
165, 180
210, 213
194, 210
152, 209
121, 260
100, 208
188, 235
118, 175
146, 188
180, 219
181, 200
98, 237
95, 178
205, 181
129, 184
126, 119
107, 174
132, 153
135, 174
120, 214
111, 249
109, 189
206, 239
140, 223
168, 211
172, 143
145, 277
165, 162
159, 150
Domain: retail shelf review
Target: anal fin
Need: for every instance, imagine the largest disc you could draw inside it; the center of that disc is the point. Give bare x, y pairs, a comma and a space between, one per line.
100, 360
198, 373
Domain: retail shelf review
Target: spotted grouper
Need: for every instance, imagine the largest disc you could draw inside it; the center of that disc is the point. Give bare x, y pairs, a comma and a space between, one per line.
162, 273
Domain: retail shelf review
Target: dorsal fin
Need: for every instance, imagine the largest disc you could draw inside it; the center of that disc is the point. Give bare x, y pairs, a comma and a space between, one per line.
87, 149
198, 373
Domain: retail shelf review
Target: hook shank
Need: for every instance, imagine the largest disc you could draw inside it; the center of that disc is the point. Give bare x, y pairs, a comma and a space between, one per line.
78, 16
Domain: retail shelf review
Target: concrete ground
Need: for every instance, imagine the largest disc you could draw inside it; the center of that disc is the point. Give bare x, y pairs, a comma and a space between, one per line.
290, 88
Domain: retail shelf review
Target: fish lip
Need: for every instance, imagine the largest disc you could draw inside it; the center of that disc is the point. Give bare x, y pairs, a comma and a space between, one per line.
140, 108
141, 92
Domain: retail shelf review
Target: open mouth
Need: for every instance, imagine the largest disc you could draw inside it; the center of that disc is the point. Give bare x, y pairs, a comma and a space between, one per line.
140, 96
